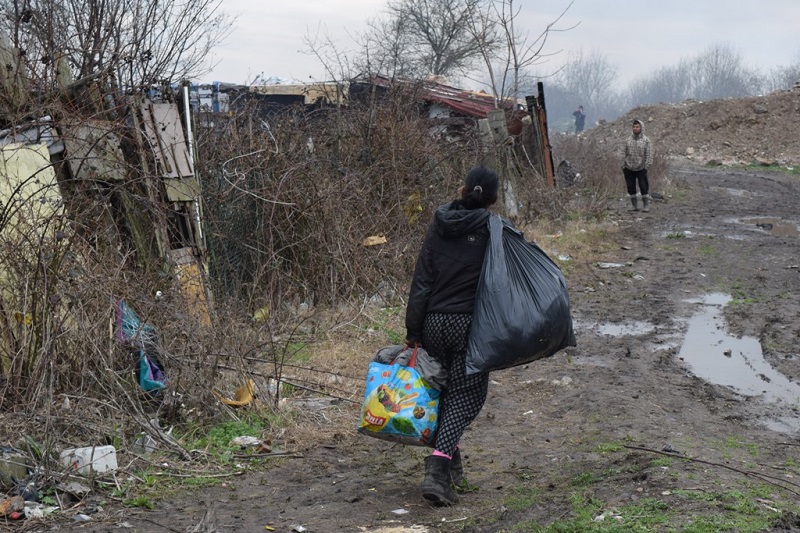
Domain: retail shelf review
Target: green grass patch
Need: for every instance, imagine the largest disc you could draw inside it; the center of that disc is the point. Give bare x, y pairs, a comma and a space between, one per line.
140, 501
610, 447
390, 322
707, 249
523, 498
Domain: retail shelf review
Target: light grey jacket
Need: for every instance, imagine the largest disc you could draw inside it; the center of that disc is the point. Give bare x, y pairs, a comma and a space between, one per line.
638, 151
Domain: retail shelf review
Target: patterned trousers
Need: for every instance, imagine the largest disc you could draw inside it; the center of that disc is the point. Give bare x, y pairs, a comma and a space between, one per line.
445, 338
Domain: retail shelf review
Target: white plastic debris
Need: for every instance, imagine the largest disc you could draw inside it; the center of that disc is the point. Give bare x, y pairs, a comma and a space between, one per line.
245, 441
97, 459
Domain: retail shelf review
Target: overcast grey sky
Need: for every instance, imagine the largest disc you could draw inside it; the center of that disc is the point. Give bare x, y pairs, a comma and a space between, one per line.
635, 36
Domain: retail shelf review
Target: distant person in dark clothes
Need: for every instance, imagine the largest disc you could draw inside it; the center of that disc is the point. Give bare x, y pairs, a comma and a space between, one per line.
637, 158
580, 119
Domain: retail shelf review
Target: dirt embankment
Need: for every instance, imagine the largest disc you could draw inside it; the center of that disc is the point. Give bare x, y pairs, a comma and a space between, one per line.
742, 131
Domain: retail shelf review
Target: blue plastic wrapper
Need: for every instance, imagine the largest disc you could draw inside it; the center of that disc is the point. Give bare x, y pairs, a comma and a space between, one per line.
399, 405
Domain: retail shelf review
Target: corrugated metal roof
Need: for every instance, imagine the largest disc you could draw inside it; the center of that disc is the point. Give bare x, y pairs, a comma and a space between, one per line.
470, 103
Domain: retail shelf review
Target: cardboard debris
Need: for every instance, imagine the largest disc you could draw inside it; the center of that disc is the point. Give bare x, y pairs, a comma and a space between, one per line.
374, 240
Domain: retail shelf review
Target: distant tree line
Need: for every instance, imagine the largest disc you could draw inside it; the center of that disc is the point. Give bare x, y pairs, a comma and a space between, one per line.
484, 41
717, 72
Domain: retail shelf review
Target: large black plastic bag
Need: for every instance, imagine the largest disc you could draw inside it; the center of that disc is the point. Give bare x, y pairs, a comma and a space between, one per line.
521, 307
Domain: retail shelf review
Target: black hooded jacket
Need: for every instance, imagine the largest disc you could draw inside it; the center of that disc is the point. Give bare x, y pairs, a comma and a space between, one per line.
448, 267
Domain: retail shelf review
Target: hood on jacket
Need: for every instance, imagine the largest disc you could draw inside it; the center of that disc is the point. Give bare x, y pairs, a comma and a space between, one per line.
453, 220
637, 121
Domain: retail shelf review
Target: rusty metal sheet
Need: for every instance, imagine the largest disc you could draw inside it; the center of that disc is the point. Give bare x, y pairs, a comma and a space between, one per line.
162, 124
93, 152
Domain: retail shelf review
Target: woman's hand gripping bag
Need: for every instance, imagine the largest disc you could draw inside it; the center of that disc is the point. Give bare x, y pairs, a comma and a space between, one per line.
399, 405
522, 310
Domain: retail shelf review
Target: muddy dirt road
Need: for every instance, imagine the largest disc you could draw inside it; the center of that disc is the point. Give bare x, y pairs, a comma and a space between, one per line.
685, 301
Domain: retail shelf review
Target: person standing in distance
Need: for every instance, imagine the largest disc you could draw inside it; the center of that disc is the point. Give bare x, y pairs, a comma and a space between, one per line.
637, 158
439, 316
580, 119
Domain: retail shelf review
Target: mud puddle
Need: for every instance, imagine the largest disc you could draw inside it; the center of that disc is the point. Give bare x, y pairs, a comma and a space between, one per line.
736, 362
774, 226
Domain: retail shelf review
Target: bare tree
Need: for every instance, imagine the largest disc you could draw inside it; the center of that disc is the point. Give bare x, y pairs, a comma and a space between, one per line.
667, 84
507, 51
385, 47
424, 37
138, 41
783, 77
720, 72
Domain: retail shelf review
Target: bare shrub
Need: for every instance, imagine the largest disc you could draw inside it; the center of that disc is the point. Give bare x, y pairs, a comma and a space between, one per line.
288, 219
600, 168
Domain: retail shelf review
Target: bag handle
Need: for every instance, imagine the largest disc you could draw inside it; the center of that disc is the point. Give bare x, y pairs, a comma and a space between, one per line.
413, 361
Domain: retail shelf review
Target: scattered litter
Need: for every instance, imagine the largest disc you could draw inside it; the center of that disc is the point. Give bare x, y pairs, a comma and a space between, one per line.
245, 441
299, 529
374, 240
610, 265
769, 504
141, 339
90, 459
242, 396
75, 488
527, 413
703, 275
638, 277
564, 257
38, 510
666, 493
144, 444
11, 505
669, 449
400, 511
80, 517
608, 514
261, 314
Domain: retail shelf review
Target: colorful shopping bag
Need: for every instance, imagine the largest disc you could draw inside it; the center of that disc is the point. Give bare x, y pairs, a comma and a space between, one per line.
399, 405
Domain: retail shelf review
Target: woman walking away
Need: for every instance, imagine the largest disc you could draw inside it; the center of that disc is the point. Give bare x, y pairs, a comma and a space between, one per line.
438, 318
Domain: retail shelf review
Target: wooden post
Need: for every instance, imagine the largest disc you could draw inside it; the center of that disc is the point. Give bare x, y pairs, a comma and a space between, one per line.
547, 153
541, 154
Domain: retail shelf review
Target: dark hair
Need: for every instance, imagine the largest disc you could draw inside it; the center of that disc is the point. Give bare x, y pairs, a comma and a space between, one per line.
480, 188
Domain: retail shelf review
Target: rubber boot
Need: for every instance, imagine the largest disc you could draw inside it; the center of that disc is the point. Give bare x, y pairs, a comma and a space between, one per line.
646, 203
436, 485
457, 471
635, 202
457, 478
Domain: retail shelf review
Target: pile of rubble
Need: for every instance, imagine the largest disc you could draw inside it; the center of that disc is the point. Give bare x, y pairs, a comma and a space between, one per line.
732, 131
